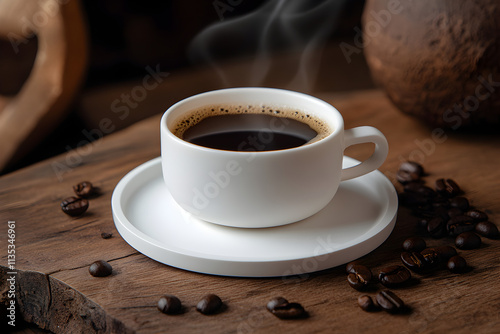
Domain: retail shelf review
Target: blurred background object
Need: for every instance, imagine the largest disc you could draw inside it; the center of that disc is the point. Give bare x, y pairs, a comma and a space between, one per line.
51, 41
144, 56
438, 60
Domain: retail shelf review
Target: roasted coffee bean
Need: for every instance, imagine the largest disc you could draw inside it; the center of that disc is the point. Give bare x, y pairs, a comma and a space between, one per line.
389, 301
414, 244
414, 261
441, 202
275, 302
459, 202
359, 276
412, 167
422, 223
85, 189
74, 206
453, 212
477, 215
447, 187
366, 303
457, 264
436, 227
100, 268
106, 235
209, 304
431, 257
394, 276
405, 177
468, 240
487, 229
289, 311
419, 188
444, 253
459, 224
169, 304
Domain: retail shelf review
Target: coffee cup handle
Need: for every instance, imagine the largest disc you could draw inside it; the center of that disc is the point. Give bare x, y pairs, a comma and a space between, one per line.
360, 135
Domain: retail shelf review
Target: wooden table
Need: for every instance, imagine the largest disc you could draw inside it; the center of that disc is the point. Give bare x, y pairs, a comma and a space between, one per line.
53, 251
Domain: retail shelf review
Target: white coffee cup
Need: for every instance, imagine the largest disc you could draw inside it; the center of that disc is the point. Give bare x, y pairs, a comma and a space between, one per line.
266, 188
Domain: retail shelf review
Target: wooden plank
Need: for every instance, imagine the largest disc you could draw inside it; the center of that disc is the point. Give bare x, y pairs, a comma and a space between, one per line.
55, 250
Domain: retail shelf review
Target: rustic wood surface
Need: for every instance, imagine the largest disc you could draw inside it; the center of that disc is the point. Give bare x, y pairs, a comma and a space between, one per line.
54, 251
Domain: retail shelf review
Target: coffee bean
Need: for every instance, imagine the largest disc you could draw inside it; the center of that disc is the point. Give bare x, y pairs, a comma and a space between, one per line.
366, 303
468, 240
477, 215
85, 189
100, 268
419, 188
459, 224
169, 304
414, 244
453, 212
389, 301
459, 202
359, 276
412, 167
487, 229
106, 235
275, 302
444, 253
405, 177
289, 311
447, 187
414, 261
436, 227
431, 257
457, 264
393, 276
74, 206
412, 199
209, 304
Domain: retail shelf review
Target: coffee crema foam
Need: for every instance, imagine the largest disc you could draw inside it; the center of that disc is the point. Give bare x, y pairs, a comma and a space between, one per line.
197, 115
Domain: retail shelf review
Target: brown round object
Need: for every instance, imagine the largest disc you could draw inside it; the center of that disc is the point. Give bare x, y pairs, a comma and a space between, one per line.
437, 59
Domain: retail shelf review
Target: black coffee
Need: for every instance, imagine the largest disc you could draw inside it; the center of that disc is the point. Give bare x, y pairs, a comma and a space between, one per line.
249, 128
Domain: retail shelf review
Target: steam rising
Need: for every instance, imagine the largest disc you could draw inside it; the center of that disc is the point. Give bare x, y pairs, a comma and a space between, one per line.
300, 26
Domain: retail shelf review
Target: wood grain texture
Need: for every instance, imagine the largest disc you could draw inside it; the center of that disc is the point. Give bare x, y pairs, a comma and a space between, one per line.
53, 251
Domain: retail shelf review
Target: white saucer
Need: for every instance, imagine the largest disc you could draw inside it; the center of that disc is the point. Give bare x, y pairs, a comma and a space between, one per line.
358, 220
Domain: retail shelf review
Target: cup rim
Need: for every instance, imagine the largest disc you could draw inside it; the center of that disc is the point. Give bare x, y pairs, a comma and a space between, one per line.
335, 114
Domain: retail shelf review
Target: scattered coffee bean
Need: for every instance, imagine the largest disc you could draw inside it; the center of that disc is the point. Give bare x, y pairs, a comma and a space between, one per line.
487, 229
431, 257
289, 311
412, 167
444, 253
414, 261
74, 206
84, 189
394, 276
457, 264
414, 244
106, 235
419, 188
447, 187
459, 224
100, 268
468, 240
436, 227
366, 303
209, 304
389, 301
477, 215
453, 212
169, 304
359, 276
405, 177
459, 202
275, 302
